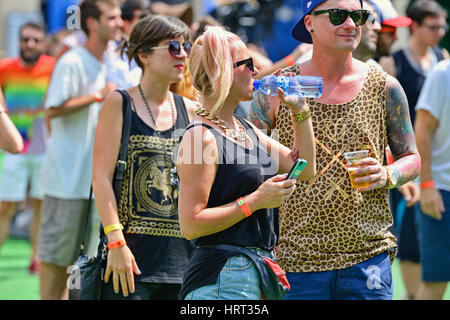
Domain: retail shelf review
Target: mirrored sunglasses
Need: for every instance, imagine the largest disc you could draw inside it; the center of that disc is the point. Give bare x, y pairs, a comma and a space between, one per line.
338, 16
175, 48
248, 64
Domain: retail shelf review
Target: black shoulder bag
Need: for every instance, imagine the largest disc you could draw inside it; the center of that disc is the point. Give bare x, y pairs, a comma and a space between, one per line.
86, 274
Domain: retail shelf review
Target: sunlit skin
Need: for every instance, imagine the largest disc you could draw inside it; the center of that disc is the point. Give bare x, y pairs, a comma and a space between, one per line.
110, 22
401, 138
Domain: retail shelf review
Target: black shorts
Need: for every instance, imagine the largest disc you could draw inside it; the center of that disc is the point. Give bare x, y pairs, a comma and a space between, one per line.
143, 291
405, 228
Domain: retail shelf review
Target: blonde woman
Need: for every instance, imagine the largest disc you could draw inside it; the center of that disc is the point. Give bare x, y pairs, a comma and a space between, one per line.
222, 159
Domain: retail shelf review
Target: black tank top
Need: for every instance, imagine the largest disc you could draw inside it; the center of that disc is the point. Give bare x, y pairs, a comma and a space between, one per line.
240, 172
148, 202
411, 78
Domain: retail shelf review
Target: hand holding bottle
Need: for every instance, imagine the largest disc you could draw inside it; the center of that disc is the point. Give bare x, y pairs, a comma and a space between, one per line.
296, 103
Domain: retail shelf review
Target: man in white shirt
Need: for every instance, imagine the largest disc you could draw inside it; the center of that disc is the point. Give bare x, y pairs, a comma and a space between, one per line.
77, 89
433, 215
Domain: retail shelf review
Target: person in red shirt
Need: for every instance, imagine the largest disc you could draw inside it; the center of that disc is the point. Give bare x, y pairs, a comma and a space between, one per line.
24, 81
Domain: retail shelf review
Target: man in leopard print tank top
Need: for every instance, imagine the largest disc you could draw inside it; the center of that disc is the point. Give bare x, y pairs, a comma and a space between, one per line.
334, 239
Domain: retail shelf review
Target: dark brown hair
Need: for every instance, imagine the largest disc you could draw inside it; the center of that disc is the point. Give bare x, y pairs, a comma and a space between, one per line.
421, 9
149, 31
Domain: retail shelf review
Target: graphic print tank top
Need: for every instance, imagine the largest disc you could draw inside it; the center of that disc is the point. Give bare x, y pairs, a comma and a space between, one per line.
148, 203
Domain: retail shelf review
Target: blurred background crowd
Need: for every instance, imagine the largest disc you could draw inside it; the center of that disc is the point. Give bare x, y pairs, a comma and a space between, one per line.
265, 25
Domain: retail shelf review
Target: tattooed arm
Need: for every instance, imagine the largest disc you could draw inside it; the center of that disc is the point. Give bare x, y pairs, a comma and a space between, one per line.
263, 111
406, 165
401, 137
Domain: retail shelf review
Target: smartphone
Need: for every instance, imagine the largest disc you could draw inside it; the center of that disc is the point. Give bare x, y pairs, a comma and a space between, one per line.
296, 169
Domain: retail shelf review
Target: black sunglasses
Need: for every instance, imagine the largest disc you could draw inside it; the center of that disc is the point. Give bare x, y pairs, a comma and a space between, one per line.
248, 64
338, 16
175, 48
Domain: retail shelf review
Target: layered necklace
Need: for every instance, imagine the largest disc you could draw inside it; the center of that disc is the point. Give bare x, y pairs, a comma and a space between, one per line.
238, 135
174, 180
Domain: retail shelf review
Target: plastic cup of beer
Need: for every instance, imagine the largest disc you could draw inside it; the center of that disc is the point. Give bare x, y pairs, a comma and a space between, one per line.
352, 164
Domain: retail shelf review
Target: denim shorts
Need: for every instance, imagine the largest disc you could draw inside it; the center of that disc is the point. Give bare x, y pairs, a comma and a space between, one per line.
405, 228
368, 280
434, 241
238, 280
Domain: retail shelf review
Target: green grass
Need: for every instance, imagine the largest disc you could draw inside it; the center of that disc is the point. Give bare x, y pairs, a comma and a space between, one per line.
15, 281
17, 284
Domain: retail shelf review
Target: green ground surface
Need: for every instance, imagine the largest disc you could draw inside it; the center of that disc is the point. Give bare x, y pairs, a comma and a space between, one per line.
17, 284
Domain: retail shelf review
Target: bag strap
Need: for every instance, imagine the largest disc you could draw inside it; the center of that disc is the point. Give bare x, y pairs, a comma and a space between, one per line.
121, 165
122, 159
86, 223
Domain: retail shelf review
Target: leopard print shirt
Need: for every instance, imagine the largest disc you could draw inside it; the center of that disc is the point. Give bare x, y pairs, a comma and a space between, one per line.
326, 224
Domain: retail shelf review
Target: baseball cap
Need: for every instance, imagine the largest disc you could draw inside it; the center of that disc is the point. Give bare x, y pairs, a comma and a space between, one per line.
299, 31
388, 15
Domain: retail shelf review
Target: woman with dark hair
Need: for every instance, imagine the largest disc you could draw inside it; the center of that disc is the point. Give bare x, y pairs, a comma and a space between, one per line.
147, 253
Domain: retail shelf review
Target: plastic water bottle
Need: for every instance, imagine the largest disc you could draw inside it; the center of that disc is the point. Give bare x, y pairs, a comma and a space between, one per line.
304, 86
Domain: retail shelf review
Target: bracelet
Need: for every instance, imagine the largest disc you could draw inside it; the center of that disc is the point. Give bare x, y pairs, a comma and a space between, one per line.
302, 116
427, 184
98, 96
244, 207
116, 244
112, 227
289, 60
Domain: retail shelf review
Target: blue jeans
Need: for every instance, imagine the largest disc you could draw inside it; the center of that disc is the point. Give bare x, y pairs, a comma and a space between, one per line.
238, 280
368, 280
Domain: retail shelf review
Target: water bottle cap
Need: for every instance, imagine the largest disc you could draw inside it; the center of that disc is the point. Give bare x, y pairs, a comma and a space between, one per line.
257, 84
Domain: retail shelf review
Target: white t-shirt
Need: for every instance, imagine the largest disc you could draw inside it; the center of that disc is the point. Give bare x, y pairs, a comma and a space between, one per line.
119, 71
435, 98
67, 169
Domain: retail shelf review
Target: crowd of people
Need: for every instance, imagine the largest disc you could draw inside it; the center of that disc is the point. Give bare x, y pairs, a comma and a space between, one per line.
205, 164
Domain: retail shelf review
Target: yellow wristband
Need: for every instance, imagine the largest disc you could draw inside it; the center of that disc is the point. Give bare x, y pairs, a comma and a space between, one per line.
112, 227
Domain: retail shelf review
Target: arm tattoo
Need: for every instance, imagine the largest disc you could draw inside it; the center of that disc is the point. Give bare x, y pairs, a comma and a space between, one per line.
259, 112
401, 137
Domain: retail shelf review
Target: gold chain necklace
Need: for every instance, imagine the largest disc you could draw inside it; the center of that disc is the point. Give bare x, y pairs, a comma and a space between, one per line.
238, 135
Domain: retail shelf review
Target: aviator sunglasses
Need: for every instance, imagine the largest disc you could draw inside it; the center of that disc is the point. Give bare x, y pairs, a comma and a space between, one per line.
248, 64
175, 48
338, 16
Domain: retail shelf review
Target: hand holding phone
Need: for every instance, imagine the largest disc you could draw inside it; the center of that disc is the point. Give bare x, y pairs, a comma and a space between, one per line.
296, 169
